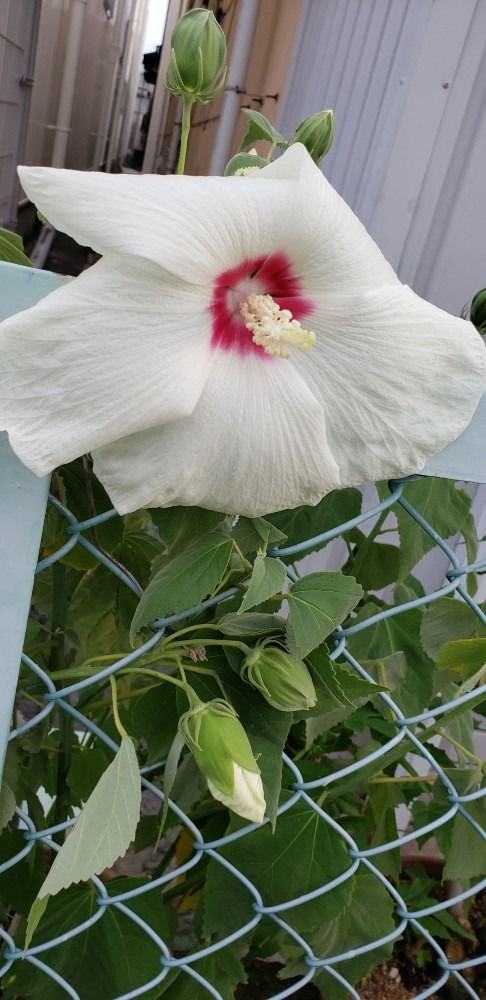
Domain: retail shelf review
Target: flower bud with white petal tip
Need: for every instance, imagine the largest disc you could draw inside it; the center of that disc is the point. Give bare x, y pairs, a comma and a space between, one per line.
316, 134
284, 682
223, 753
197, 68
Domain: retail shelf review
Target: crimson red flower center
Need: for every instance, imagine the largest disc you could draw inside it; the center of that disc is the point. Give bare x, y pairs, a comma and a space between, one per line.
263, 275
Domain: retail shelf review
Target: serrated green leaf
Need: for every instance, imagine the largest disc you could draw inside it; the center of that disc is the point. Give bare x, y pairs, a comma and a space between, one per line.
380, 568
318, 603
259, 128
103, 830
303, 523
154, 718
339, 692
470, 536
222, 969
250, 623
464, 656
442, 505
112, 956
243, 161
267, 578
303, 854
447, 620
12, 249
87, 767
186, 580
252, 533
180, 526
399, 633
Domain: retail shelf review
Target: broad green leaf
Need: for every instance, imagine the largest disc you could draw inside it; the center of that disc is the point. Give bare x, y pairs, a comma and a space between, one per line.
20, 883
250, 623
318, 603
103, 830
9, 785
351, 929
303, 854
87, 767
267, 578
447, 620
186, 580
180, 526
241, 161
442, 505
464, 656
223, 970
399, 633
252, 533
154, 718
12, 248
302, 523
470, 536
384, 800
380, 568
266, 728
339, 692
466, 848
259, 128
110, 958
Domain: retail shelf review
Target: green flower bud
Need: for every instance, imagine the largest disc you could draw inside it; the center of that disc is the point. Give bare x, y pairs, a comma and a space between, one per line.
285, 683
223, 753
316, 134
477, 312
197, 67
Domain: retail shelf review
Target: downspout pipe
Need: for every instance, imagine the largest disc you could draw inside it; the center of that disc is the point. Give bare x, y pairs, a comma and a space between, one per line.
62, 128
235, 83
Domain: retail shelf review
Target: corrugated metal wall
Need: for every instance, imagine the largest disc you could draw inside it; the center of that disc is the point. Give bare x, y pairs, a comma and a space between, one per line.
407, 81
18, 26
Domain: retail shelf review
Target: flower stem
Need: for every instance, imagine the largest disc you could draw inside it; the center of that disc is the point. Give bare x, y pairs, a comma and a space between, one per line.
187, 103
120, 728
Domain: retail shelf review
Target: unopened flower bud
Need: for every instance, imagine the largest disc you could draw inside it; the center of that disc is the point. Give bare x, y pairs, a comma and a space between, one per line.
223, 753
285, 683
197, 67
477, 312
316, 134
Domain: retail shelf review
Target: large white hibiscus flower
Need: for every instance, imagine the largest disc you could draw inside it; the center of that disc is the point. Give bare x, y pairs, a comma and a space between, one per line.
177, 359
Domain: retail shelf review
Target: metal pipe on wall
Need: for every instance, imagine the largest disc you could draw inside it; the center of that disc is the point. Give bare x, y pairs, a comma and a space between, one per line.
62, 128
235, 83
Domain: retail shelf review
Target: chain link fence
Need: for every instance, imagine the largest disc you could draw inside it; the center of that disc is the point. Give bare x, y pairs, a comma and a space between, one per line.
403, 739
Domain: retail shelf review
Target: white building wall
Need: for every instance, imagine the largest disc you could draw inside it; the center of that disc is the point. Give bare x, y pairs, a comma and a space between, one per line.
407, 82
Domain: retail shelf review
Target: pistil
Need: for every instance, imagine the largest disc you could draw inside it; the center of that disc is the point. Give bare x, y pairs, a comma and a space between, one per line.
273, 327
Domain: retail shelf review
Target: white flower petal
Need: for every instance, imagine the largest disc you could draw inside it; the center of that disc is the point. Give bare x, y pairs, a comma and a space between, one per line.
329, 247
397, 377
113, 352
255, 443
195, 227
248, 799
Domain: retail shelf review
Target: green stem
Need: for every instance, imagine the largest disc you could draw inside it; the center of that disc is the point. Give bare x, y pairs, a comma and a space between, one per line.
463, 750
246, 564
212, 642
120, 728
187, 103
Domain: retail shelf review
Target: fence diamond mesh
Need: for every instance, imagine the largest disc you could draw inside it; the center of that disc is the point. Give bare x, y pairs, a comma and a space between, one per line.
313, 792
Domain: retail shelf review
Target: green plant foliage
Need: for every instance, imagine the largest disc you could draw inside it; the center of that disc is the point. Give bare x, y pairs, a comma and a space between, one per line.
267, 578
259, 128
12, 248
318, 603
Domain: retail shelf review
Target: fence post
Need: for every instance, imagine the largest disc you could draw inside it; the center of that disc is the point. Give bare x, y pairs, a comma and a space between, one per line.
22, 505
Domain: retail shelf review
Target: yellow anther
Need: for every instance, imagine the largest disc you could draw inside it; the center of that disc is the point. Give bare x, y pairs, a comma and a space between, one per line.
273, 327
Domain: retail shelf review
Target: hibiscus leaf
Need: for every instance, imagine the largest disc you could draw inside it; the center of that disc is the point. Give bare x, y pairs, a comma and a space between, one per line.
223, 970
102, 833
267, 578
12, 248
303, 854
318, 603
440, 503
399, 633
153, 718
465, 656
179, 526
339, 693
8, 786
302, 523
259, 128
250, 532
380, 568
186, 580
447, 620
